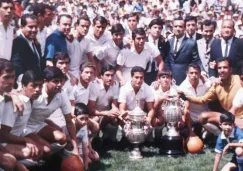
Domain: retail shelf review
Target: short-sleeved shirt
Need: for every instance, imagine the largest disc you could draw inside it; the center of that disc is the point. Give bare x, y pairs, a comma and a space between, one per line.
102, 97
235, 136
238, 99
195, 109
2, 103
13, 120
41, 110
80, 94
56, 42
128, 58
127, 95
108, 53
76, 51
82, 137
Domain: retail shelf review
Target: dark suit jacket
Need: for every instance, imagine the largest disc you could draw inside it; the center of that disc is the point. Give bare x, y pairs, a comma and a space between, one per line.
187, 53
235, 54
23, 57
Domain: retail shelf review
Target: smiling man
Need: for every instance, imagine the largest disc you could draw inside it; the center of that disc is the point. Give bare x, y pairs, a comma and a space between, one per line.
26, 54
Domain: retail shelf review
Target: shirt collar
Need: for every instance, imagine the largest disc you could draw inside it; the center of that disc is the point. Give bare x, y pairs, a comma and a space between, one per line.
189, 85
150, 39
1, 98
132, 89
134, 50
180, 39
230, 136
24, 98
193, 36
59, 33
229, 41
28, 40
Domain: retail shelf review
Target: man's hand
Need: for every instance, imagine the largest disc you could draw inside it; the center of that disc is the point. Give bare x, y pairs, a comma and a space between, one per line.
87, 161
17, 105
112, 114
163, 97
155, 85
34, 151
49, 63
182, 95
215, 81
212, 65
122, 83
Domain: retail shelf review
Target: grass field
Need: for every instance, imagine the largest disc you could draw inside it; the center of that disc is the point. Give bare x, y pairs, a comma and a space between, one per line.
116, 158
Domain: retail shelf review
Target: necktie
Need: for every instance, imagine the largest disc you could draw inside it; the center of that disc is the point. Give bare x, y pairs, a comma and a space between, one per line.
35, 51
175, 50
153, 61
207, 43
226, 49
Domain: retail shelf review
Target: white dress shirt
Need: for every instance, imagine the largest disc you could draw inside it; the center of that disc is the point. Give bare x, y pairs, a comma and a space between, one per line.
223, 45
179, 43
193, 36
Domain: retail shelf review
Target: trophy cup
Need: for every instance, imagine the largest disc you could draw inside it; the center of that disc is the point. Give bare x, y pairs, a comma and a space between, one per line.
136, 130
172, 142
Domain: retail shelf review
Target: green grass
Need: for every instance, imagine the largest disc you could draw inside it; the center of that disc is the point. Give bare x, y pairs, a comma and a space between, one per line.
117, 159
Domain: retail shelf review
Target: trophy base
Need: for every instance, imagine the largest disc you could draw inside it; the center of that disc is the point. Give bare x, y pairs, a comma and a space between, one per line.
136, 154
172, 146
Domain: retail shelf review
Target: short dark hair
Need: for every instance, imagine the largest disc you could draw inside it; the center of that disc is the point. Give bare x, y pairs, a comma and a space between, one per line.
165, 71
84, 17
223, 60
209, 23
195, 66
138, 31
63, 15
40, 9
133, 14
117, 28
52, 72
6, 65
106, 67
81, 109
86, 65
24, 18
6, 1
31, 76
60, 56
227, 117
137, 69
156, 21
179, 19
101, 19
190, 18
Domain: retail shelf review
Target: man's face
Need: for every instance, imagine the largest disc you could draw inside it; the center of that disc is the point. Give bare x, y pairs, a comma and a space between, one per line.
165, 81
191, 27
7, 81
178, 28
87, 74
30, 29
33, 89
6, 11
108, 78
137, 79
83, 27
193, 75
132, 23
224, 70
81, 120
63, 65
48, 16
99, 29
208, 32
227, 128
227, 30
155, 30
139, 41
118, 38
65, 25
55, 85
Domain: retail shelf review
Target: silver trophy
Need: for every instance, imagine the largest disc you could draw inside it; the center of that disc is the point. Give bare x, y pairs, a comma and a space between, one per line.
172, 142
136, 130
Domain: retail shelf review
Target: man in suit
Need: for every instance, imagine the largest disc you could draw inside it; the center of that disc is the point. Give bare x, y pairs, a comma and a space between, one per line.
229, 46
183, 51
26, 52
203, 45
191, 27
155, 39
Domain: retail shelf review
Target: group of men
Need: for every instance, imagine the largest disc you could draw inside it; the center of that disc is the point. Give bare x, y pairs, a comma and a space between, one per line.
111, 71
